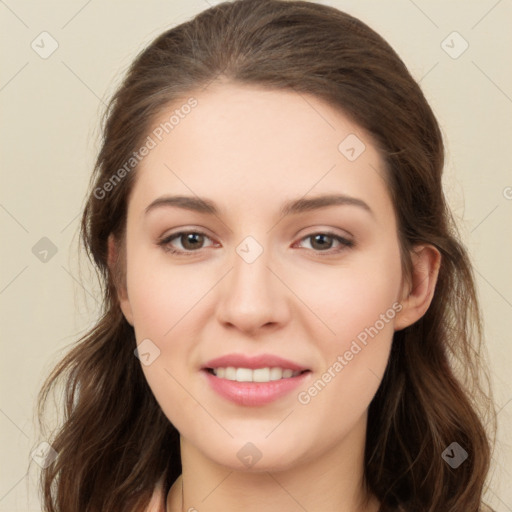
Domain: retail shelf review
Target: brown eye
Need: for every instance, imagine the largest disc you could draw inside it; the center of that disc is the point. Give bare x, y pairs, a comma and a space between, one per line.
323, 242
190, 241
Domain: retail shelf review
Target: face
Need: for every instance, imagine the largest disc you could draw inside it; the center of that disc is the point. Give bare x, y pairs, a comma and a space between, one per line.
314, 289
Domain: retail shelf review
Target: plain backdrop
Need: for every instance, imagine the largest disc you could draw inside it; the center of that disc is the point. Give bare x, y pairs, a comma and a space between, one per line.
459, 50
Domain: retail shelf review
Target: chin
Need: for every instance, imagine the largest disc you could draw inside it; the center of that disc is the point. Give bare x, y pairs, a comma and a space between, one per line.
254, 454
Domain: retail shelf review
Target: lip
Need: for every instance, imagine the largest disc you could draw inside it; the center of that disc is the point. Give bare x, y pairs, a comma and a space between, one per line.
252, 362
254, 393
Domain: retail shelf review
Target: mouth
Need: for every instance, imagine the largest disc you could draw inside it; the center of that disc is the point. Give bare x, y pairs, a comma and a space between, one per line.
254, 387
266, 374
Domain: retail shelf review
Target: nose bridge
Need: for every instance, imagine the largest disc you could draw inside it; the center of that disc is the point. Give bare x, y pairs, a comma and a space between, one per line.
252, 296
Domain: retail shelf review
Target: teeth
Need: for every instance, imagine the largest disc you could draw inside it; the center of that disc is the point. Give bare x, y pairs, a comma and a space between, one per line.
261, 375
230, 373
257, 375
276, 373
243, 375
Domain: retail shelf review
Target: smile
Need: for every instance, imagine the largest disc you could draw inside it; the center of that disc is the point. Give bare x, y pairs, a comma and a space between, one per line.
254, 375
274, 383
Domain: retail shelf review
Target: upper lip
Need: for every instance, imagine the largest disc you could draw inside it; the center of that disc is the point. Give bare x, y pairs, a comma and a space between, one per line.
253, 362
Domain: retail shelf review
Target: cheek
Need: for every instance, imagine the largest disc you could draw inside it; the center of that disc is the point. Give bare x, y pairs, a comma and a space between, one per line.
358, 306
353, 360
161, 295
349, 299
164, 300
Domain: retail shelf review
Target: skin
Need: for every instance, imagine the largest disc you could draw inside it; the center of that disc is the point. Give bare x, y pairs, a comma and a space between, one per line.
249, 149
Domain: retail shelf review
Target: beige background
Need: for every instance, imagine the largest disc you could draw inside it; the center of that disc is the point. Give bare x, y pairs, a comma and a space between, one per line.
49, 136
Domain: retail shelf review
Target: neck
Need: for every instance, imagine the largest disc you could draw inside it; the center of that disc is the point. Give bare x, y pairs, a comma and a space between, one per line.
329, 481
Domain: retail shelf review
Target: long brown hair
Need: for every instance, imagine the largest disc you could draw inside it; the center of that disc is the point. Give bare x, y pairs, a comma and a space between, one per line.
115, 443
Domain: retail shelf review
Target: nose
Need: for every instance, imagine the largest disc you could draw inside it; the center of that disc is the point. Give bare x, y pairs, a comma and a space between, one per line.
253, 296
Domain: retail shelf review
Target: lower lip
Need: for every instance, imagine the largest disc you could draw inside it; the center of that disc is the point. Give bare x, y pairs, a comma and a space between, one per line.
254, 393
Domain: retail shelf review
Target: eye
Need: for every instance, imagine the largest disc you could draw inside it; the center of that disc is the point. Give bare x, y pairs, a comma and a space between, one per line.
323, 242
193, 241
190, 241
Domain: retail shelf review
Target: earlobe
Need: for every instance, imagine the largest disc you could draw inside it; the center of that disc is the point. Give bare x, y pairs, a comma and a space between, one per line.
418, 293
115, 266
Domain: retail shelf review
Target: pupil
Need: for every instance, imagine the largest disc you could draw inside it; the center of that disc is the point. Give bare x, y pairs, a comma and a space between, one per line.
191, 239
321, 237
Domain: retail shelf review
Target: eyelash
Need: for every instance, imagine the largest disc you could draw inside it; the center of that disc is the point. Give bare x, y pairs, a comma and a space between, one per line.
165, 243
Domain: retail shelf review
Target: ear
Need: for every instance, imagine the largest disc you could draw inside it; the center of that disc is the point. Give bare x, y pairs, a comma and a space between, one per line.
417, 294
114, 253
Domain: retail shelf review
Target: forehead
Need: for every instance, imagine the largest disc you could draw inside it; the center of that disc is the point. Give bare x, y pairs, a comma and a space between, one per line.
253, 146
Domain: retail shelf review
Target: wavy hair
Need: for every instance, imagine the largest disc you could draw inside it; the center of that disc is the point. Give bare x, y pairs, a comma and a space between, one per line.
115, 443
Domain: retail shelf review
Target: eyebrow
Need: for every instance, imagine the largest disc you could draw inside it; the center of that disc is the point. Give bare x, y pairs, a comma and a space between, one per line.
207, 206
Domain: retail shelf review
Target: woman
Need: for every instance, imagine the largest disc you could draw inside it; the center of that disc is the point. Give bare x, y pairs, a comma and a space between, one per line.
290, 320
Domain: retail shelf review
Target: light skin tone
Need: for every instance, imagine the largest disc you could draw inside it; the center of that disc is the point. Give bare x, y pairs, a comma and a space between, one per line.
249, 150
